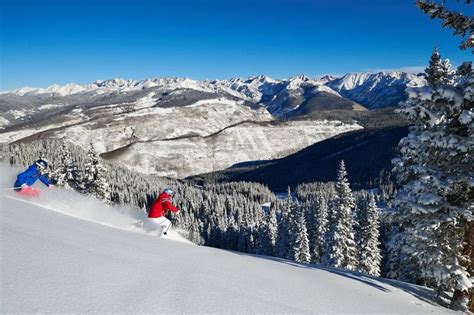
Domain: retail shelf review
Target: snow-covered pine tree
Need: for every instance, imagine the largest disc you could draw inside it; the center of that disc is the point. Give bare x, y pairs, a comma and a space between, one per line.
447, 71
342, 246
242, 242
387, 187
251, 248
438, 71
369, 244
282, 246
301, 245
434, 70
294, 209
435, 206
270, 232
321, 225
67, 173
315, 198
331, 230
95, 182
361, 199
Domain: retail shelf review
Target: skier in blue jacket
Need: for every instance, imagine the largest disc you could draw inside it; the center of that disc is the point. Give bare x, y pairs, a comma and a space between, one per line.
26, 179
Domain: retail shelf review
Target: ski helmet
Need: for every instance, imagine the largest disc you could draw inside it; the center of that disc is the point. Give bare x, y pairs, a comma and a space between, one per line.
42, 164
169, 191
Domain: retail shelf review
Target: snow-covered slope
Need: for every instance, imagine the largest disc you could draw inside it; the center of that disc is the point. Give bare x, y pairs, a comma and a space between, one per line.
178, 133
181, 127
112, 126
55, 263
248, 141
83, 207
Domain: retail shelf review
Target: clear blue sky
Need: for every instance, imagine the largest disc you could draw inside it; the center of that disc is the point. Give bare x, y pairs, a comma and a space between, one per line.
45, 42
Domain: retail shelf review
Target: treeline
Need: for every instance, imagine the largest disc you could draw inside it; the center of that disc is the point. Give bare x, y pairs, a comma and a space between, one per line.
319, 223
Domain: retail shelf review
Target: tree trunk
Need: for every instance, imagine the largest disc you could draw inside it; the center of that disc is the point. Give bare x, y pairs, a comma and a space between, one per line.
461, 298
469, 250
460, 301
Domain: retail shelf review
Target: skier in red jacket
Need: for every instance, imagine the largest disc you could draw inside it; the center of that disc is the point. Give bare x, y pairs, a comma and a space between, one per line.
159, 208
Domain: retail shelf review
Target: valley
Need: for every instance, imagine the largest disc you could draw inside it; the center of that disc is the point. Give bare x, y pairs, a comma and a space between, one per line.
177, 128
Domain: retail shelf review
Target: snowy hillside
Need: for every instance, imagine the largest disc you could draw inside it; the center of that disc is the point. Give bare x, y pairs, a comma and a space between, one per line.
69, 202
53, 262
248, 141
177, 133
180, 127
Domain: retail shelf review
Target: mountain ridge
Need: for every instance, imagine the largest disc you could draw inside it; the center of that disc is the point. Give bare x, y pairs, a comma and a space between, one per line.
124, 116
279, 96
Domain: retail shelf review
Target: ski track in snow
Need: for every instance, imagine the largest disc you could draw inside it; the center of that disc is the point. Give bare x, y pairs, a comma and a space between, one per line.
86, 208
51, 262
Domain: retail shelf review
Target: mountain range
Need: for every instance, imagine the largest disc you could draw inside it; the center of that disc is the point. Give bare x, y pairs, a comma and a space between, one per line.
179, 127
282, 98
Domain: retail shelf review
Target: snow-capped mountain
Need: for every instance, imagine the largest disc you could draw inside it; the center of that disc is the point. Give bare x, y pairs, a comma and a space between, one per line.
110, 86
280, 97
284, 98
376, 90
180, 127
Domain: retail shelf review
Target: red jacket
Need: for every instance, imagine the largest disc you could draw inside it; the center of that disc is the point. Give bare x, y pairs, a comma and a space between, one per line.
161, 205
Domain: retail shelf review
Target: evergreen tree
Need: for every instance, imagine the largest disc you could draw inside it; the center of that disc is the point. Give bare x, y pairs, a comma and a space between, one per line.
387, 187
67, 173
95, 182
271, 230
310, 217
435, 206
343, 248
283, 246
439, 183
321, 228
294, 210
242, 242
448, 73
301, 246
433, 72
251, 242
369, 244
439, 70
331, 230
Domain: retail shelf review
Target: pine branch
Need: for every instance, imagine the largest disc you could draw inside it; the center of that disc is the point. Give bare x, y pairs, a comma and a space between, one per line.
462, 25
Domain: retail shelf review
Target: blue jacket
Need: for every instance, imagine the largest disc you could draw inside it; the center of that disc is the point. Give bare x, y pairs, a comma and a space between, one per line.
30, 176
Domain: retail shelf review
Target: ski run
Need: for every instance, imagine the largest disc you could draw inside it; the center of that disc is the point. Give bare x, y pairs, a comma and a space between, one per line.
64, 252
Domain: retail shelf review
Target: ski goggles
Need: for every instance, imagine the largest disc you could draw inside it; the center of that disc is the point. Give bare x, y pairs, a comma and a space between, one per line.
41, 167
